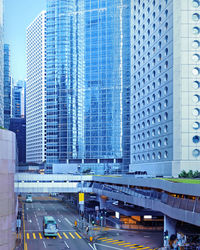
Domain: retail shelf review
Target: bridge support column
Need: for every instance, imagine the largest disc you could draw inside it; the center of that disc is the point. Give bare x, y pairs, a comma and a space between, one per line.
169, 229
102, 202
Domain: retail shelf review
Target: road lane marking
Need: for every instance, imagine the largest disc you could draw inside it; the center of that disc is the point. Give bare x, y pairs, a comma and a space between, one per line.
108, 246
40, 235
107, 239
131, 245
68, 221
121, 241
122, 244
59, 236
59, 220
144, 247
27, 236
102, 238
110, 241
65, 235
34, 236
66, 244
71, 235
91, 246
78, 235
30, 221
44, 244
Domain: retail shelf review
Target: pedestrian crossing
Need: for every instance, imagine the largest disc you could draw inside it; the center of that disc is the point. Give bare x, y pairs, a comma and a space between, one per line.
124, 244
60, 235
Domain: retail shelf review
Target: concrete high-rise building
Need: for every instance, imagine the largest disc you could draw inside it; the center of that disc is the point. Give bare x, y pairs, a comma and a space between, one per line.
88, 80
165, 83
7, 87
35, 90
1, 66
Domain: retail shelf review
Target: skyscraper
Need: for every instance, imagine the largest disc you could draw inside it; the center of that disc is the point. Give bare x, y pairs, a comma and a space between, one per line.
35, 90
107, 80
1, 66
165, 81
88, 73
64, 82
18, 99
7, 87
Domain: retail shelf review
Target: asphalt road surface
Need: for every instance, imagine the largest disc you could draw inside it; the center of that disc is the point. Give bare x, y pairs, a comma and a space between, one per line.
70, 238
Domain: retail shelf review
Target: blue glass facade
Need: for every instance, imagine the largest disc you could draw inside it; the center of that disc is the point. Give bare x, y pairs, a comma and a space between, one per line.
7, 86
107, 74
64, 83
1, 66
18, 126
88, 77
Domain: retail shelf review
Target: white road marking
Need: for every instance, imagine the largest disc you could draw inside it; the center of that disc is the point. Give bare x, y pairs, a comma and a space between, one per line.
66, 244
68, 221
90, 246
44, 244
108, 246
30, 221
59, 220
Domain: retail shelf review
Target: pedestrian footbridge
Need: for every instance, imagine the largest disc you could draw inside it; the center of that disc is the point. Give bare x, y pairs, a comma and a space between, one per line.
176, 200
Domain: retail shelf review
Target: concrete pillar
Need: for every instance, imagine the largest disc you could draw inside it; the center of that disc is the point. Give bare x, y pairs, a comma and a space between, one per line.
102, 202
170, 226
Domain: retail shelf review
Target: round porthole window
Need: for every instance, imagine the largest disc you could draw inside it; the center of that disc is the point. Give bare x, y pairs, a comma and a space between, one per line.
166, 154
195, 152
196, 139
195, 57
196, 125
195, 3
195, 44
196, 84
195, 98
196, 30
196, 112
195, 17
196, 71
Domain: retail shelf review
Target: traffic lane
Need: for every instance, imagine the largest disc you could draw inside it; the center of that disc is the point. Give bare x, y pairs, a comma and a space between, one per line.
55, 209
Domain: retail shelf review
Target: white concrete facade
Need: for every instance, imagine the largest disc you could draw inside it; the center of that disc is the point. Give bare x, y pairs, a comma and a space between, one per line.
7, 197
35, 95
165, 83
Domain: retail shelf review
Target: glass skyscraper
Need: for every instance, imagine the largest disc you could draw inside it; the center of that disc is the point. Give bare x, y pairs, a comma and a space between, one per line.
64, 82
107, 72
1, 66
87, 87
7, 87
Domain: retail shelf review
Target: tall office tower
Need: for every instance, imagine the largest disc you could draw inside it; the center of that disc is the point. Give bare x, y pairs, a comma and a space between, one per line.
1, 66
18, 126
107, 81
64, 82
35, 90
165, 83
7, 87
88, 73
18, 99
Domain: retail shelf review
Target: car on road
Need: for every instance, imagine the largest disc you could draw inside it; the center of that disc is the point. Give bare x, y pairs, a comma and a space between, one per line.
29, 198
49, 226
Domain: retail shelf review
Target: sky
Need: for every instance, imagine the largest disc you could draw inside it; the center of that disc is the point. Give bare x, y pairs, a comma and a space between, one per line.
18, 14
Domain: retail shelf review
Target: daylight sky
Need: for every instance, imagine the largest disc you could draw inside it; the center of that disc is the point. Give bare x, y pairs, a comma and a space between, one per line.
18, 14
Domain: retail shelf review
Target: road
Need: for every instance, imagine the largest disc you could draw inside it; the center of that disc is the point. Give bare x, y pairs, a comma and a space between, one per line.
68, 237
